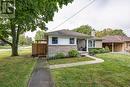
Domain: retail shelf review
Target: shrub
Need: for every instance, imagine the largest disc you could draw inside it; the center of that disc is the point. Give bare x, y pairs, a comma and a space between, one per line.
59, 55
102, 50
73, 53
93, 51
107, 49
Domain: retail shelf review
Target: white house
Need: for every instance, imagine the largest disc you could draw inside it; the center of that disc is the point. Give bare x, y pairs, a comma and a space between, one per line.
65, 40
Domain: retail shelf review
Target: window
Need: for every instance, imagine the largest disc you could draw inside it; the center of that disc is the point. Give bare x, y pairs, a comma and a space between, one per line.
71, 40
54, 40
91, 43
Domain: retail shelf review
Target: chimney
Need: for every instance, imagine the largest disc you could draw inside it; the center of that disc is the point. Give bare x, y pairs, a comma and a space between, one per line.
93, 33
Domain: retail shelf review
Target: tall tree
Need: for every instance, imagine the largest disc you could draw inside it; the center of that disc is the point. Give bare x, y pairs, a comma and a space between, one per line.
85, 29
39, 35
29, 40
22, 39
29, 15
109, 31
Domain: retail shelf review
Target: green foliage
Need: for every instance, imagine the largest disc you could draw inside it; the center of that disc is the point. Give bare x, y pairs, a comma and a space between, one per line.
85, 29
107, 49
109, 31
59, 55
29, 14
39, 35
25, 40
29, 40
93, 51
22, 40
73, 53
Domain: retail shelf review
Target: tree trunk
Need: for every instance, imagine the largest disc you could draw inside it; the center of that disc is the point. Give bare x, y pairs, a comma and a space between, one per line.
15, 40
14, 50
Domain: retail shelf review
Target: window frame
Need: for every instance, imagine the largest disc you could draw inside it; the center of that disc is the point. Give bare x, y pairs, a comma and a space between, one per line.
54, 40
72, 41
91, 43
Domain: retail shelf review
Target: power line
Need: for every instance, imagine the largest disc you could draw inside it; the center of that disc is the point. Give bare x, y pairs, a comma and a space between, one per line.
74, 14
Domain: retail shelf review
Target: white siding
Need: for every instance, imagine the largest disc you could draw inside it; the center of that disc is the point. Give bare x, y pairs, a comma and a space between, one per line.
61, 40
98, 44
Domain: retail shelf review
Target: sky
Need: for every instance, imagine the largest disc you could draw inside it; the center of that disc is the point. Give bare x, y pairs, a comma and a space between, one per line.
101, 14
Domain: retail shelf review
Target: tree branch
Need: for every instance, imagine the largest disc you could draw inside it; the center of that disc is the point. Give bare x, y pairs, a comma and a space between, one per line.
5, 41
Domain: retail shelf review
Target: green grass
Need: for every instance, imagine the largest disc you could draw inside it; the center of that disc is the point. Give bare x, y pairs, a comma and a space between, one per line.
5, 47
16, 71
114, 72
68, 60
9, 47
6, 54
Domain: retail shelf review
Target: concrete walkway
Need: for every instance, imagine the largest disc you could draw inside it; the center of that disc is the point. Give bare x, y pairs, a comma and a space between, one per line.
41, 76
95, 61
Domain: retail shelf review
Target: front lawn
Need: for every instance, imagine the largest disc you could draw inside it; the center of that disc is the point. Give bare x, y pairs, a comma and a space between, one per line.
16, 71
114, 72
5, 47
68, 60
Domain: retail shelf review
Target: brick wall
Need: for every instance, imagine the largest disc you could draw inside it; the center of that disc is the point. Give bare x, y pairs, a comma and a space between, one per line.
53, 49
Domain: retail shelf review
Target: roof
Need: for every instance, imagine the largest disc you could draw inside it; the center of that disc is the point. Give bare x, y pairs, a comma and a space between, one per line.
65, 32
116, 38
96, 38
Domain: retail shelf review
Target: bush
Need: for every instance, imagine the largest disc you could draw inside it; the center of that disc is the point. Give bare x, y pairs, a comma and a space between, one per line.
93, 51
107, 49
59, 55
102, 50
73, 53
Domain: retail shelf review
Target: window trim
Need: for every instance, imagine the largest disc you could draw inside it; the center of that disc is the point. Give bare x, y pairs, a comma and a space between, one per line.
92, 44
73, 42
56, 40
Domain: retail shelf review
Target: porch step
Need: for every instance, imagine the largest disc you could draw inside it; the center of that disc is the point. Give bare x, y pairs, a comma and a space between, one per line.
83, 53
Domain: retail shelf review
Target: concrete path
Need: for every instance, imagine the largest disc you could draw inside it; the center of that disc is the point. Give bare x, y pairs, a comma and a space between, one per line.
95, 61
41, 76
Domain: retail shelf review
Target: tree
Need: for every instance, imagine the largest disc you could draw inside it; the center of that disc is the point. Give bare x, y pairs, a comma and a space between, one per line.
29, 15
29, 40
39, 35
25, 40
109, 31
22, 40
85, 29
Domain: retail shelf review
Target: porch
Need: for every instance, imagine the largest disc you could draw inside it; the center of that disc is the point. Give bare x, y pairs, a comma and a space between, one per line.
114, 47
83, 45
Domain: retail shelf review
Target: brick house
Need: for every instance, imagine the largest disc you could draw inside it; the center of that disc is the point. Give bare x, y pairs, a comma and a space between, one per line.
117, 43
65, 40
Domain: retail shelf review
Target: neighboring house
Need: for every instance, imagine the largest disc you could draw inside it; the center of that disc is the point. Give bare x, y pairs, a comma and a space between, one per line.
66, 40
117, 43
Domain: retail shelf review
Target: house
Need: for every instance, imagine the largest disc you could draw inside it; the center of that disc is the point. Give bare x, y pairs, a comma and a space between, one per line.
117, 43
66, 40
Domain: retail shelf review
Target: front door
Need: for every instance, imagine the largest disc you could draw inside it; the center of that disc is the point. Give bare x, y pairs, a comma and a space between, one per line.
81, 44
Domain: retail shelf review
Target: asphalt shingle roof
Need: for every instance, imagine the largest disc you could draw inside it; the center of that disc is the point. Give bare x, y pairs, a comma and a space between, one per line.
67, 33
116, 38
